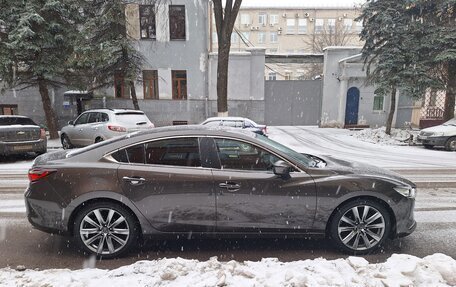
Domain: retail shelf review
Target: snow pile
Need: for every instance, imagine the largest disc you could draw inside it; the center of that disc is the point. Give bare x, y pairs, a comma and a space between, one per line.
399, 270
378, 136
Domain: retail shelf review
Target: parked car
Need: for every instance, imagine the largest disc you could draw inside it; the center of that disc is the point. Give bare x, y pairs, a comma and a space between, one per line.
197, 180
20, 135
236, 122
98, 125
443, 135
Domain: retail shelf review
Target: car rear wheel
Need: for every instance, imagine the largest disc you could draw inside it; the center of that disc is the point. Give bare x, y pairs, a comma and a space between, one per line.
106, 229
360, 226
66, 143
451, 144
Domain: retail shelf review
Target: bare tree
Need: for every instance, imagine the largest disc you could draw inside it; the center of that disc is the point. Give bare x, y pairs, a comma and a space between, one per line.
330, 36
224, 23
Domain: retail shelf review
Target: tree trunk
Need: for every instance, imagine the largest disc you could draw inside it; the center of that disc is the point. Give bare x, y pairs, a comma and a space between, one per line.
48, 110
222, 80
389, 121
450, 96
133, 95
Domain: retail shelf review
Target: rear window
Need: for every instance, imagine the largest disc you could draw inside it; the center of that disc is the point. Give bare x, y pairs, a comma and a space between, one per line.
8, 121
132, 119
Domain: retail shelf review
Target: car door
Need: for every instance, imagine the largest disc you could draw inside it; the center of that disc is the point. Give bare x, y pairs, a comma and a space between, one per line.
75, 133
167, 181
251, 198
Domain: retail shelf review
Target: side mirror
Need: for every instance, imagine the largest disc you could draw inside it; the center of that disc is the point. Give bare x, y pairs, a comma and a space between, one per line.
281, 168
70, 122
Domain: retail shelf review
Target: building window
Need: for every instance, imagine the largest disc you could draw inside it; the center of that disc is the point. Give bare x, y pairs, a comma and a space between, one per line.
288, 75
332, 26
246, 36
179, 85
261, 38
319, 25
272, 51
121, 87
234, 37
8, 110
177, 22
150, 84
262, 19
245, 19
302, 26
147, 21
359, 26
273, 19
273, 37
291, 26
378, 103
272, 76
348, 23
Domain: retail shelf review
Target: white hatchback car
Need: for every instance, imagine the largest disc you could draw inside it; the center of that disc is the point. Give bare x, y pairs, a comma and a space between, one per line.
442, 135
97, 125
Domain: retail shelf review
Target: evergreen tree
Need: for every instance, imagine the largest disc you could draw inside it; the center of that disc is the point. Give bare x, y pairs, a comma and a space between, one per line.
37, 39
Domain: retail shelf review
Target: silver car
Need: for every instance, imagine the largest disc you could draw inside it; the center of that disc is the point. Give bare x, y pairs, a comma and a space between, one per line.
98, 125
236, 122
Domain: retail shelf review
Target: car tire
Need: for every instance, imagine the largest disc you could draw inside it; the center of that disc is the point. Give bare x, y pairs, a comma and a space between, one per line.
450, 145
106, 229
66, 143
428, 146
360, 226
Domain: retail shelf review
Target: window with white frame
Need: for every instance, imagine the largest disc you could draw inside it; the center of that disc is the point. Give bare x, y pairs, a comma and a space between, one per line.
261, 37
302, 26
378, 103
234, 37
246, 36
331, 25
273, 37
262, 18
348, 23
272, 76
245, 19
319, 25
291, 26
273, 19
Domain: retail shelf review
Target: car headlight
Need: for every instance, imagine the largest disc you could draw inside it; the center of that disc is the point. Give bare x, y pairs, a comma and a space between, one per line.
437, 135
406, 191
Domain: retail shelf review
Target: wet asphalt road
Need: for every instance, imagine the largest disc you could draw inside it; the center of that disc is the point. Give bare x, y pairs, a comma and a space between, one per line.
20, 244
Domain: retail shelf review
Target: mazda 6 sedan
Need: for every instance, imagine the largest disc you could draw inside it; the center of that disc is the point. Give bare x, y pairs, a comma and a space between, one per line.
195, 180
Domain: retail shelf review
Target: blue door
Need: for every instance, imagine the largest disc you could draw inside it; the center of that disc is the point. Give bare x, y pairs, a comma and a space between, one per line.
351, 109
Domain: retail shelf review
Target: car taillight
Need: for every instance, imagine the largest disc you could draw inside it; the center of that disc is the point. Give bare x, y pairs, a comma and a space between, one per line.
35, 174
117, 128
42, 133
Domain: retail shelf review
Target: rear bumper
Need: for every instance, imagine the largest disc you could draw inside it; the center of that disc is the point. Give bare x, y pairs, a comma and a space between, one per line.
9, 148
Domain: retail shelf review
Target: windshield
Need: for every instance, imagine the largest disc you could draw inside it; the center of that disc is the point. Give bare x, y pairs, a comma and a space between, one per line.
300, 158
451, 122
16, 121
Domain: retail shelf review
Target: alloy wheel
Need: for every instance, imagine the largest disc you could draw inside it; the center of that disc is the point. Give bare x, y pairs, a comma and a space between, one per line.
361, 227
104, 231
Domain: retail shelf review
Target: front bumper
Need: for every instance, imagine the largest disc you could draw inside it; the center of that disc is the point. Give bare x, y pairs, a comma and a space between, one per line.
434, 141
406, 223
10, 148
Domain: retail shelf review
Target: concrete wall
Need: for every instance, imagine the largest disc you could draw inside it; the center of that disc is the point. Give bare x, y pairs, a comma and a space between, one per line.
293, 102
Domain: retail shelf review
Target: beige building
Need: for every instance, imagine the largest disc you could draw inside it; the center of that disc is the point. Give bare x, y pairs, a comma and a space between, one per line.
294, 27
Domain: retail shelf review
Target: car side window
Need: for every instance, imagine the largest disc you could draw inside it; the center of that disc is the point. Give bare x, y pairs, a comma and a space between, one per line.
176, 152
234, 124
248, 124
104, 117
82, 119
240, 155
93, 118
213, 124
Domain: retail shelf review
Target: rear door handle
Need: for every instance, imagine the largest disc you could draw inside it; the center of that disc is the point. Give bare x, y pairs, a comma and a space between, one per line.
134, 180
230, 186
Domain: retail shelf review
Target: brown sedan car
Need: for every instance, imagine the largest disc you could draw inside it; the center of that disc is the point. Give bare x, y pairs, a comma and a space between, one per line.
196, 180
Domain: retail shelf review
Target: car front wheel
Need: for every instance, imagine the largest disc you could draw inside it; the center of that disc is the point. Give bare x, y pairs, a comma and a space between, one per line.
360, 226
106, 229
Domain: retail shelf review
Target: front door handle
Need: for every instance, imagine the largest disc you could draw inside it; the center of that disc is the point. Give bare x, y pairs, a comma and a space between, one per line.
230, 186
134, 180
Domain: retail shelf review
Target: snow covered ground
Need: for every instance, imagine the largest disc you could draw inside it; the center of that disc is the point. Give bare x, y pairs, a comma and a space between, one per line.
436, 270
378, 136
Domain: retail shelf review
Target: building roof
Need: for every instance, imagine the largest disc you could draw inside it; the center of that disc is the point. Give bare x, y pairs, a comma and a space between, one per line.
302, 4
